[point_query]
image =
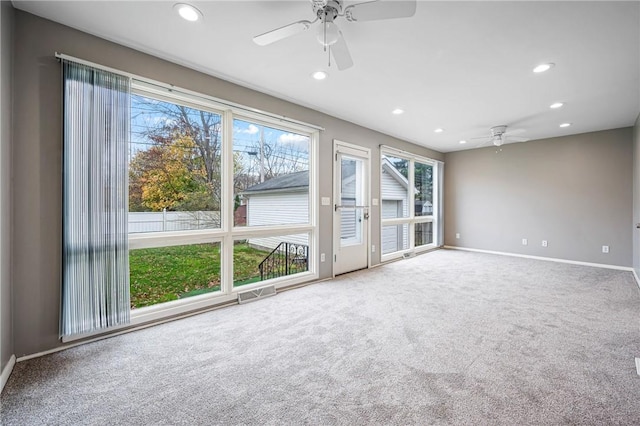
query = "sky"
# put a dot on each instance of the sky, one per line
(147, 113)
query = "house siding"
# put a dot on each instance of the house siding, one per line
(391, 189)
(347, 222)
(394, 237)
(348, 216)
(278, 208)
(395, 204)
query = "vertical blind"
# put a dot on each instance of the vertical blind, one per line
(95, 282)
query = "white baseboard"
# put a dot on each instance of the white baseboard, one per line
(6, 372)
(550, 259)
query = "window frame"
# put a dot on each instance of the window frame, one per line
(412, 219)
(278, 126)
(228, 233)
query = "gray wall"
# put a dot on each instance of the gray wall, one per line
(37, 159)
(636, 196)
(6, 53)
(574, 191)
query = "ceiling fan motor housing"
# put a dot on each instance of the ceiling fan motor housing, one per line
(318, 4)
(327, 10)
(498, 130)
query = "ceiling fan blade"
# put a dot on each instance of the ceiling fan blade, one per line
(514, 132)
(341, 54)
(488, 138)
(517, 139)
(281, 33)
(376, 10)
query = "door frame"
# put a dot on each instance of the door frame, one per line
(365, 153)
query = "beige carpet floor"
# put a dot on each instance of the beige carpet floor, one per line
(449, 337)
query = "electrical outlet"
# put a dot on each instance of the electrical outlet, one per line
(373, 248)
(525, 241)
(457, 235)
(605, 249)
(322, 257)
(544, 243)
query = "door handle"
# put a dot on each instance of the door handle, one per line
(366, 216)
(638, 225)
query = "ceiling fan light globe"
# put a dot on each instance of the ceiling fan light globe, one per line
(332, 34)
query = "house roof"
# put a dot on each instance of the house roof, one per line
(395, 173)
(289, 182)
(299, 181)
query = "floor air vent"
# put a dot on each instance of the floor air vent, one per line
(255, 294)
(408, 255)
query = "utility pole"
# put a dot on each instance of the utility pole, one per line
(261, 154)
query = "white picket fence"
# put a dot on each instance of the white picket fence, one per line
(172, 221)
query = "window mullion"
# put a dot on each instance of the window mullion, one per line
(412, 203)
(227, 203)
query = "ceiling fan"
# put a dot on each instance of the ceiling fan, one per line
(498, 135)
(328, 33)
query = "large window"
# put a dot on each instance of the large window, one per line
(271, 175)
(214, 210)
(174, 166)
(175, 185)
(409, 210)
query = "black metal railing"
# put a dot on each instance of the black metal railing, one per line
(286, 259)
(422, 238)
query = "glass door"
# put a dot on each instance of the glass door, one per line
(351, 206)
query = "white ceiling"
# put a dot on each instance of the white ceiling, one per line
(460, 66)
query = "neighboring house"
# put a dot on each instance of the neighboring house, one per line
(282, 200)
(395, 203)
(285, 200)
(424, 209)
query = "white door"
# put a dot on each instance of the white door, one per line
(351, 208)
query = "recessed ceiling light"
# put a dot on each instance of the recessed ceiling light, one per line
(543, 67)
(438, 130)
(319, 75)
(565, 125)
(397, 111)
(188, 12)
(556, 105)
(463, 142)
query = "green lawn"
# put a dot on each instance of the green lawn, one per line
(168, 273)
